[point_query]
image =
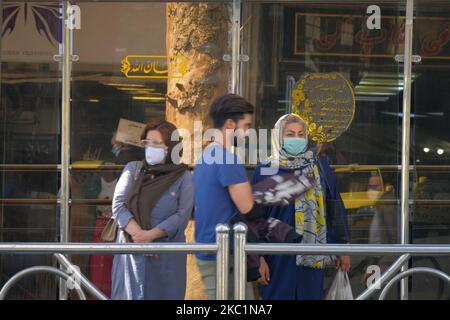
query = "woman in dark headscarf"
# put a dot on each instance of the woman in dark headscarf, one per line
(153, 201)
(318, 215)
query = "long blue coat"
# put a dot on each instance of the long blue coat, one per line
(138, 277)
(287, 280)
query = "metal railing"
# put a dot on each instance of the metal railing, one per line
(220, 248)
(37, 269)
(73, 270)
(242, 248)
(4, 167)
(96, 202)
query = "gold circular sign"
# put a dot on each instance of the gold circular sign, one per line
(326, 102)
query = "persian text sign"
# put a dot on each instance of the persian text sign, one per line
(357, 35)
(147, 66)
(326, 102)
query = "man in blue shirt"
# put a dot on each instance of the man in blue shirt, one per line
(221, 184)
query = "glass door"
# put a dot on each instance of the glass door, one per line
(292, 44)
(137, 62)
(30, 131)
(430, 141)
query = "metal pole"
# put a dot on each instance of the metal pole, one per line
(346, 249)
(80, 277)
(66, 56)
(223, 253)
(106, 248)
(406, 127)
(240, 261)
(183, 247)
(236, 47)
(1, 76)
(65, 127)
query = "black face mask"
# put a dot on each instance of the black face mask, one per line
(236, 139)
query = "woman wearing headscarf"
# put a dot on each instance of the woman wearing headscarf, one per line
(152, 202)
(318, 215)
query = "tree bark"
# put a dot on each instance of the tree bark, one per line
(200, 33)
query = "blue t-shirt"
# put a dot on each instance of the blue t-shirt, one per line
(213, 173)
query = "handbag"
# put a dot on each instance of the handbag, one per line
(109, 232)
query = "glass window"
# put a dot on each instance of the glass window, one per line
(430, 138)
(138, 62)
(29, 134)
(291, 42)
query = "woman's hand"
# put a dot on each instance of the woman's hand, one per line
(142, 236)
(145, 236)
(343, 262)
(264, 272)
(133, 228)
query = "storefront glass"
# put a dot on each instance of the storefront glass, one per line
(322, 38)
(30, 128)
(429, 142)
(134, 60)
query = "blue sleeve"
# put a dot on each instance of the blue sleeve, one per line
(230, 174)
(256, 175)
(178, 221)
(119, 210)
(337, 223)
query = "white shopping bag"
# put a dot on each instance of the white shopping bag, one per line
(340, 288)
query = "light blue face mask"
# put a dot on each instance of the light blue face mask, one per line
(115, 150)
(294, 146)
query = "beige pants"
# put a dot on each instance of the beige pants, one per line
(208, 269)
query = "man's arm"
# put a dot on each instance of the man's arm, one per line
(241, 194)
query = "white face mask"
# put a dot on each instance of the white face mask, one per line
(154, 155)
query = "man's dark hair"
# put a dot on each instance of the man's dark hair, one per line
(229, 106)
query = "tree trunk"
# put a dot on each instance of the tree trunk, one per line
(200, 33)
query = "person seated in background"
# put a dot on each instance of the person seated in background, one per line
(100, 265)
(384, 224)
(123, 153)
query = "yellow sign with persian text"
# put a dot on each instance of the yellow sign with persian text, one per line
(154, 67)
(325, 101)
